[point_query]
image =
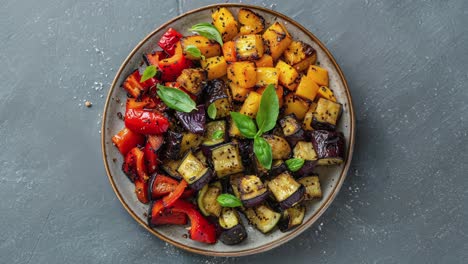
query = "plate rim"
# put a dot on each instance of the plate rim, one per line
(290, 235)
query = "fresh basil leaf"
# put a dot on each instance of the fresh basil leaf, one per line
(212, 111)
(209, 31)
(194, 51)
(269, 109)
(294, 164)
(245, 124)
(263, 152)
(176, 99)
(228, 200)
(218, 134)
(149, 73)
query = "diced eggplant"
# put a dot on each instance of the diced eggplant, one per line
(312, 187)
(329, 145)
(193, 121)
(194, 171)
(291, 218)
(307, 169)
(279, 146)
(277, 167)
(300, 135)
(170, 167)
(206, 199)
(217, 93)
(245, 150)
(290, 125)
(286, 190)
(252, 190)
(212, 129)
(305, 150)
(201, 156)
(263, 218)
(233, 230)
(226, 160)
(172, 144)
(326, 115)
(234, 184)
(190, 141)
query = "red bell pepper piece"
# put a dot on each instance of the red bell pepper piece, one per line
(169, 200)
(146, 102)
(188, 193)
(201, 229)
(126, 139)
(154, 57)
(168, 217)
(172, 67)
(141, 188)
(153, 143)
(169, 40)
(134, 165)
(163, 185)
(134, 87)
(146, 122)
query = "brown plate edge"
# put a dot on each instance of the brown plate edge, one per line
(292, 234)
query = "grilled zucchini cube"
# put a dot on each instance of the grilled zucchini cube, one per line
(307, 88)
(326, 115)
(287, 75)
(225, 23)
(194, 171)
(290, 125)
(190, 141)
(170, 167)
(327, 93)
(284, 187)
(252, 190)
(211, 129)
(276, 39)
(265, 61)
(300, 55)
(295, 105)
(291, 218)
(250, 22)
(216, 67)
(280, 148)
(249, 47)
(233, 230)
(226, 160)
(242, 73)
(192, 80)
(251, 105)
(307, 123)
(312, 186)
(208, 48)
(206, 199)
(263, 218)
(266, 76)
(318, 75)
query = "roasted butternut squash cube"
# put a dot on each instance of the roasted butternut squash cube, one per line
(249, 47)
(307, 88)
(192, 80)
(216, 67)
(238, 93)
(297, 51)
(295, 105)
(225, 23)
(326, 114)
(307, 124)
(279, 92)
(208, 48)
(318, 74)
(276, 39)
(265, 61)
(266, 76)
(287, 75)
(327, 93)
(233, 130)
(250, 22)
(242, 73)
(251, 105)
(305, 63)
(229, 51)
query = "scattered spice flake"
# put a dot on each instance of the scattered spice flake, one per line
(114, 160)
(88, 104)
(119, 115)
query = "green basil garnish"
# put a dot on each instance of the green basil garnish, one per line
(209, 31)
(263, 152)
(245, 124)
(228, 200)
(294, 164)
(218, 134)
(149, 73)
(212, 111)
(194, 51)
(176, 99)
(269, 109)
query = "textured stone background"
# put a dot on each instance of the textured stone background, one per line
(404, 201)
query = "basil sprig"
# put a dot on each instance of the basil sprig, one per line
(218, 134)
(266, 120)
(176, 99)
(212, 111)
(295, 164)
(209, 31)
(228, 200)
(194, 51)
(149, 73)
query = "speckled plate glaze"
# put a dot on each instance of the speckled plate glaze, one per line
(331, 178)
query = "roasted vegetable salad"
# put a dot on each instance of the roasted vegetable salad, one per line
(229, 124)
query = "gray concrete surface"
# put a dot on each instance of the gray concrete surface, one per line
(404, 201)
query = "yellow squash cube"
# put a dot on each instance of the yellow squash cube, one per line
(287, 75)
(276, 39)
(242, 73)
(266, 76)
(225, 22)
(307, 88)
(216, 67)
(249, 47)
(318, 74)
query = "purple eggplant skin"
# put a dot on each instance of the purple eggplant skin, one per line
(215, 90)
(306, 170)
(294, 199)
(300, 135)
(172, 143)
(328, 144)
(204, 180)
(256, 200)
(193, 121)
(234, 235)
(322, 125)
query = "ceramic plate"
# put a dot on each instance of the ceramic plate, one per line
(331, 177)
